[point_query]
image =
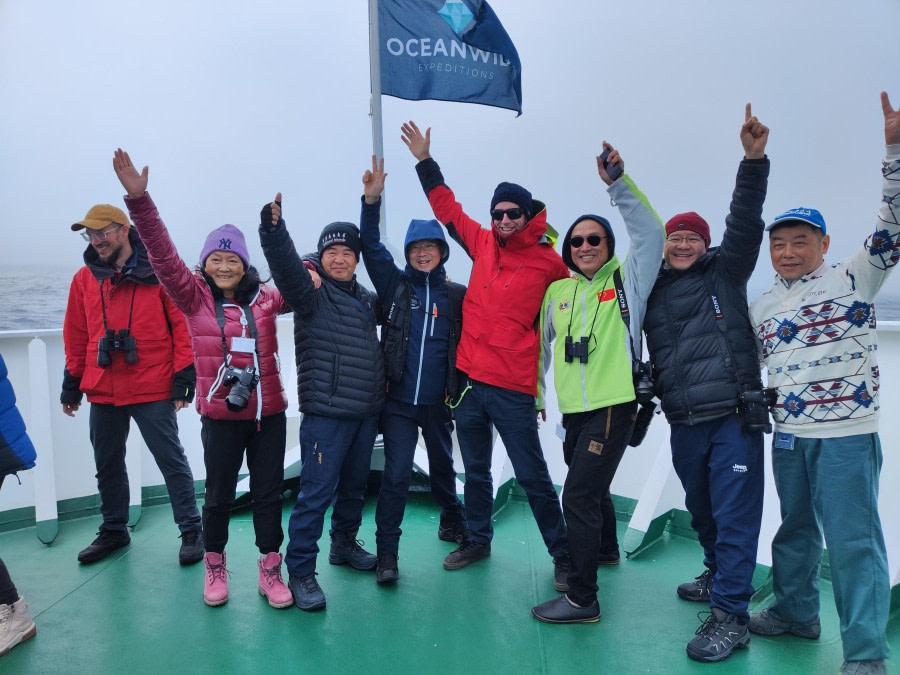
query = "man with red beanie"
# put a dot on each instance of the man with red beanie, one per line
(513, 264)
(703, 352)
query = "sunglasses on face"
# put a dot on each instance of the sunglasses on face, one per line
(592, 239)
(513, 214)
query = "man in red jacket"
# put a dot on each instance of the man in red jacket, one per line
(513, 264)
(128, 349)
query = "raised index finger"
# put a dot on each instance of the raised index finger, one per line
(748, 113)
(886, 107)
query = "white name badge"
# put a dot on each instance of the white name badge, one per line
(561, 432)
(243, 344)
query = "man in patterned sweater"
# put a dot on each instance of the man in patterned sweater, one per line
(817, 332)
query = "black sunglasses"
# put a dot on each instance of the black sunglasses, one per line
(497, 214)
(592, 239)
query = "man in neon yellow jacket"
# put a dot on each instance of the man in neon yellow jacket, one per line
(590, 325)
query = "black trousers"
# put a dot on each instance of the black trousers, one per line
(595, 443)
(224, 442)
(8, 592)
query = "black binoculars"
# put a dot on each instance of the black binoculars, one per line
(121, 341)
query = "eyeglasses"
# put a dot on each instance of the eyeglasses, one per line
(418, 248)
(592, 239)
(678, 239)
(497, 214)
(99, 235)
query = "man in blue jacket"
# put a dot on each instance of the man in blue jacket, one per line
(422, 322)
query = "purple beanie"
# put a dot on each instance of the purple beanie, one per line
(226, 238)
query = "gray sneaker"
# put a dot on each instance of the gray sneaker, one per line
(347, 550)
(766, 623)
(698, 589)
(719, 635)
(307, 594)
(863, 668)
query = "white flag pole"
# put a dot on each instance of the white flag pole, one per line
(375, 102)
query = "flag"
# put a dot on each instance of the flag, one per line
(448, 50)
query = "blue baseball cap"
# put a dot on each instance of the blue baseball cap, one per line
(800, 215)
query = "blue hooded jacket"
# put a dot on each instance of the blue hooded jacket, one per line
(417, 338)
(16, 450)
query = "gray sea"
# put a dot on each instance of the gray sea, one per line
(35, 298)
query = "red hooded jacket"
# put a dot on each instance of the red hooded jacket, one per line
(500, 344)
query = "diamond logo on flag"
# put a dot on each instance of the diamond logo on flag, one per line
(456, 14)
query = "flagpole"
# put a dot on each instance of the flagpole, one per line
(375, 102)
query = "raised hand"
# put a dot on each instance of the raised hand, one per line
(419, 145)
(373, 181)
(754, 136)
(270, 214)
(891, 121)
(613, 158)
(135, 183)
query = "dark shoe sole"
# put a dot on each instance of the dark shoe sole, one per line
(311, 607)
(609, 562)
(463, 563)
(337, 560)
(97, 557)
(712, 658)
(593, 619)
(447, 535)
(692, 598)
(190, 560)
(792, 630)
(387, 577)
(562, 588)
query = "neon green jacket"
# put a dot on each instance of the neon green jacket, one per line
(579, 306)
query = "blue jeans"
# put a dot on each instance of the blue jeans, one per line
(336, 456)
(721, 468)
(515, 417)
(831, 485)
(401, 423)
(109, 425)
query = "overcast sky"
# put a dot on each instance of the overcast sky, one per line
(230, 102)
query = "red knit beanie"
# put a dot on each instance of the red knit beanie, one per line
(690, 221)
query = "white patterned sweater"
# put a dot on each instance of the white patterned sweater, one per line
(817, 335)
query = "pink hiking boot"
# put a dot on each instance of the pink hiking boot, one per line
(270, 584)
(215, 588)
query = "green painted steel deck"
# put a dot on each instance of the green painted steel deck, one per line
(138, 611)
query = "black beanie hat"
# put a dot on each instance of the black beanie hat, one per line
(567, 249)
(340, 233)
(510, 192)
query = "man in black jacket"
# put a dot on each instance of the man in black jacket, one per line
(703, 350)
(422, 322)
(340, 381)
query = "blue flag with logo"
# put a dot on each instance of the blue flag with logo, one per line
(448, 50)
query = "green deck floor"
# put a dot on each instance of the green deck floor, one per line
(138, 611)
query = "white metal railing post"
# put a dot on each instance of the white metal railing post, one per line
(40, 432)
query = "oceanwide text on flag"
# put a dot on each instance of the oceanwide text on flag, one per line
(448, 50)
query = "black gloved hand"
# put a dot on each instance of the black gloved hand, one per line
(265, 217)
